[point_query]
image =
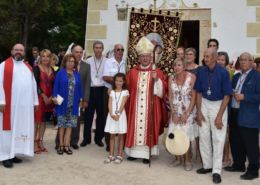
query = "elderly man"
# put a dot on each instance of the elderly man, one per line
(112, 66)
(213, 92)
(138, 108)
(96, 97)
(244, 119)
(18, 101)
(84, 71)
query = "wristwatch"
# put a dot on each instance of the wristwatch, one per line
(118, 114)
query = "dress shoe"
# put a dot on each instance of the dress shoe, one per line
(108, 148)
(248, 176)
(7, 163)
(84, 143)
(75, 147)
(131, 158)
(146, 161)
(16, 160)
(204, 171)
(232, 169)
(216, 178)
(100, 144)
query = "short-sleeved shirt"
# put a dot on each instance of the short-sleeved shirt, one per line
(220, 86)
(112, 67)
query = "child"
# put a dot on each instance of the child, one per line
(116, 119)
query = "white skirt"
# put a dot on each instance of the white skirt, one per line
(116, 127)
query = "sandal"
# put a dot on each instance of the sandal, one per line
(174, 163)
(109, 159)
(188, 166)
(118, 160)
(37, 151)
(69, 152)
(42, 149)
(226, 164)
(60, 151)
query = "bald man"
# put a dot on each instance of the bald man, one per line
(112, 66)
(213, 88)
(18, 102)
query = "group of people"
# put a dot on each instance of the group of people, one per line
(211, 104)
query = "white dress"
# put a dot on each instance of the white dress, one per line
(19, 140)
(181, 107)
(120, 126)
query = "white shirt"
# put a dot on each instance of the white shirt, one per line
(234, 103)
(112, 67)
(96, 71)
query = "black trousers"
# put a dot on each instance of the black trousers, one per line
(106, 97)
(95, 103)
(243, 142)
(74, 138)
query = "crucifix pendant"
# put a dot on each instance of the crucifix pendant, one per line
(97, 75)
(47, 84)
(179, 98)
(116, 112)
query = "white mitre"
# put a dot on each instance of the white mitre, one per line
(144, 46)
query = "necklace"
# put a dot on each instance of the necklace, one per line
(180, 90)
(47, 75)
(240, 82)
(209, 84)
(117, 101)
(97, 69)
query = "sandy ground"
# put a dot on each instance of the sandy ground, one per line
(86, 166)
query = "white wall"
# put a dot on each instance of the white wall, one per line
(231, 17)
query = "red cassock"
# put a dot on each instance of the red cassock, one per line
(138, 108)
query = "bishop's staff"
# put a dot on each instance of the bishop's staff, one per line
(159, 50)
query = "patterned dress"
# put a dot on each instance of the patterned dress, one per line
(181, 107)
(69, 120)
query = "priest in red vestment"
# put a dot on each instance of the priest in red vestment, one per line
(138, 108)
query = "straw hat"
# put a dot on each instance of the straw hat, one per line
(177, 142)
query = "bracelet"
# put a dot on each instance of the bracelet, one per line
(118, 114)
(175, 112)
(44, 99)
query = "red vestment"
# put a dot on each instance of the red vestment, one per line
(134, 111)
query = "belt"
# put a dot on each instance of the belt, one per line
(234, 109)
(211, 100)
(100, 87)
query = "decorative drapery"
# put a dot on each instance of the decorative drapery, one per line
(159, 29)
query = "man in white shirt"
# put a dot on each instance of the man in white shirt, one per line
(112, 66)
(97, 64)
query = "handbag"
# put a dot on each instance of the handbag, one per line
(48, 117)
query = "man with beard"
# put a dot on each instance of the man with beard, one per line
(18, 101)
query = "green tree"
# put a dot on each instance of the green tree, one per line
(25, 13)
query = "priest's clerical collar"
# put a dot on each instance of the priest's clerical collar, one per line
(142, 67)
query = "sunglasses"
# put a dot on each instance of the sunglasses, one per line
(120, 50)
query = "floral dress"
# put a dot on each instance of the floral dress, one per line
(181, 107)
(69, 120)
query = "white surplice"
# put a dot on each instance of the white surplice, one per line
(140, 150)
(19, 141)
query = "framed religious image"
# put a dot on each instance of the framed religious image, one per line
(122, 14)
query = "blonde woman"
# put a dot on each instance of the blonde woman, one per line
(44, 76)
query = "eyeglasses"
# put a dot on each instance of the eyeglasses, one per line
(189, 54)
(145, 56)
(71, 62)
(120, 49)
(21, 50)
(244, 60)
(180, 54)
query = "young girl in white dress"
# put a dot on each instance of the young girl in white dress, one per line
(116, 119)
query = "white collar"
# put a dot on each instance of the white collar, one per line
(246, 72)
(114, 61)
(142, 67)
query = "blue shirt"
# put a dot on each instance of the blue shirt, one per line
(220, 86)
